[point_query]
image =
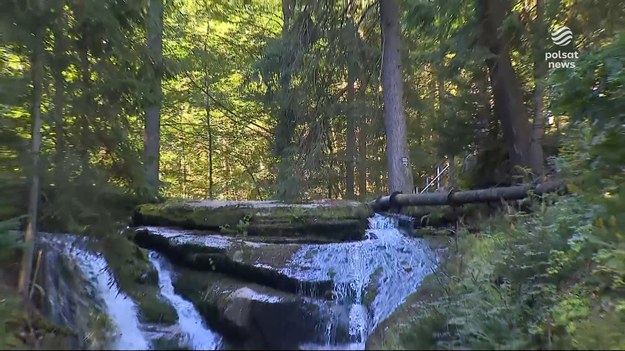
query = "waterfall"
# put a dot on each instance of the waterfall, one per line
(371, 278)
(196, 335)
(82, 295)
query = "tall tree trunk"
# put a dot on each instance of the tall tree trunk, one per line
(507, 94)
(285, 128)
(59, 93)
(379, 161)
(540, 68)
(183, 161)
(351, 132)
(486, 123)
(440, 87)
(153, 109)
(398, 160)
(363, 121)
(209, 128)
(86, 95)
(362, 156)
(37, 73)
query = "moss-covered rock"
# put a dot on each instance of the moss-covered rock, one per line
(249, 315)
(334, 220)
(136, 277)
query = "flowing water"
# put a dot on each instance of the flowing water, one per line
(196, 335)
(371, 277)
(82, 295)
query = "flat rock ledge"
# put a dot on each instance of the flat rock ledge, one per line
(318, 221)
(258, 263)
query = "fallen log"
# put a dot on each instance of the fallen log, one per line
(452, 198)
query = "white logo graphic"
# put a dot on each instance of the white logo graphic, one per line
(562, 36)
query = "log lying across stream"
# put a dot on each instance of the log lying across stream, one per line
(454, 198)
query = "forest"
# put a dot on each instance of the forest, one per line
(106, 105)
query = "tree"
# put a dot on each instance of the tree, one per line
(288, 185)
(350, 135)
(540, 68)
(56, 70)
(507, 93)
(37, 76)
(398, 161)
(153, 109)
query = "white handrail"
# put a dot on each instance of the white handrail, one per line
(435, 179)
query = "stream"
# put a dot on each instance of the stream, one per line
(196, 335)
(370, 279)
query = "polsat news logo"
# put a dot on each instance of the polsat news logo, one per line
(561, 36)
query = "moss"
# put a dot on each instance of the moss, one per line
(234, 219)
(185, 215)
(154, 309)
(372, 289)
(298, 214)
(137, 278)
(165, 343)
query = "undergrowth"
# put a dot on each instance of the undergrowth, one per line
(555, 278)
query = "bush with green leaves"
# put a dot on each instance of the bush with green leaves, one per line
(554, 278)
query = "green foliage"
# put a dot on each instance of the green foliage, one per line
(243, 225)
(10, 238)
(10, 315)
(553, 278)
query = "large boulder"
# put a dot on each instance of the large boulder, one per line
(259, 263)
(253, 316)
(319, 221)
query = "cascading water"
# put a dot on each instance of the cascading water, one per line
(196, 335)
(73, 298)
(371, 277)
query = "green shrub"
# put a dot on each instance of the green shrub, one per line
(555, 278)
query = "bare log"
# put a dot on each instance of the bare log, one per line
(398, 200)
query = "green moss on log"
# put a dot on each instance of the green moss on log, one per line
(340, 220)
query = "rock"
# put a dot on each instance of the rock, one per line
(256, 317)
(324, 220)
(387, 335)
(247, 261)
(136, 276)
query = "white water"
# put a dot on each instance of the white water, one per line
(371, 278)
(120, 309)
(388, 262)
(196, 335)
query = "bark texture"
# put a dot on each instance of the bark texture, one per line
(398, 160)
(506, 87)
(153, 110)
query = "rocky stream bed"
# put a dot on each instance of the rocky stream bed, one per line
(257, 275)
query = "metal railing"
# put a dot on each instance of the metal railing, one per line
(442, 169)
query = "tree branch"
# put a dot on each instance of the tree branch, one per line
(233, 116)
